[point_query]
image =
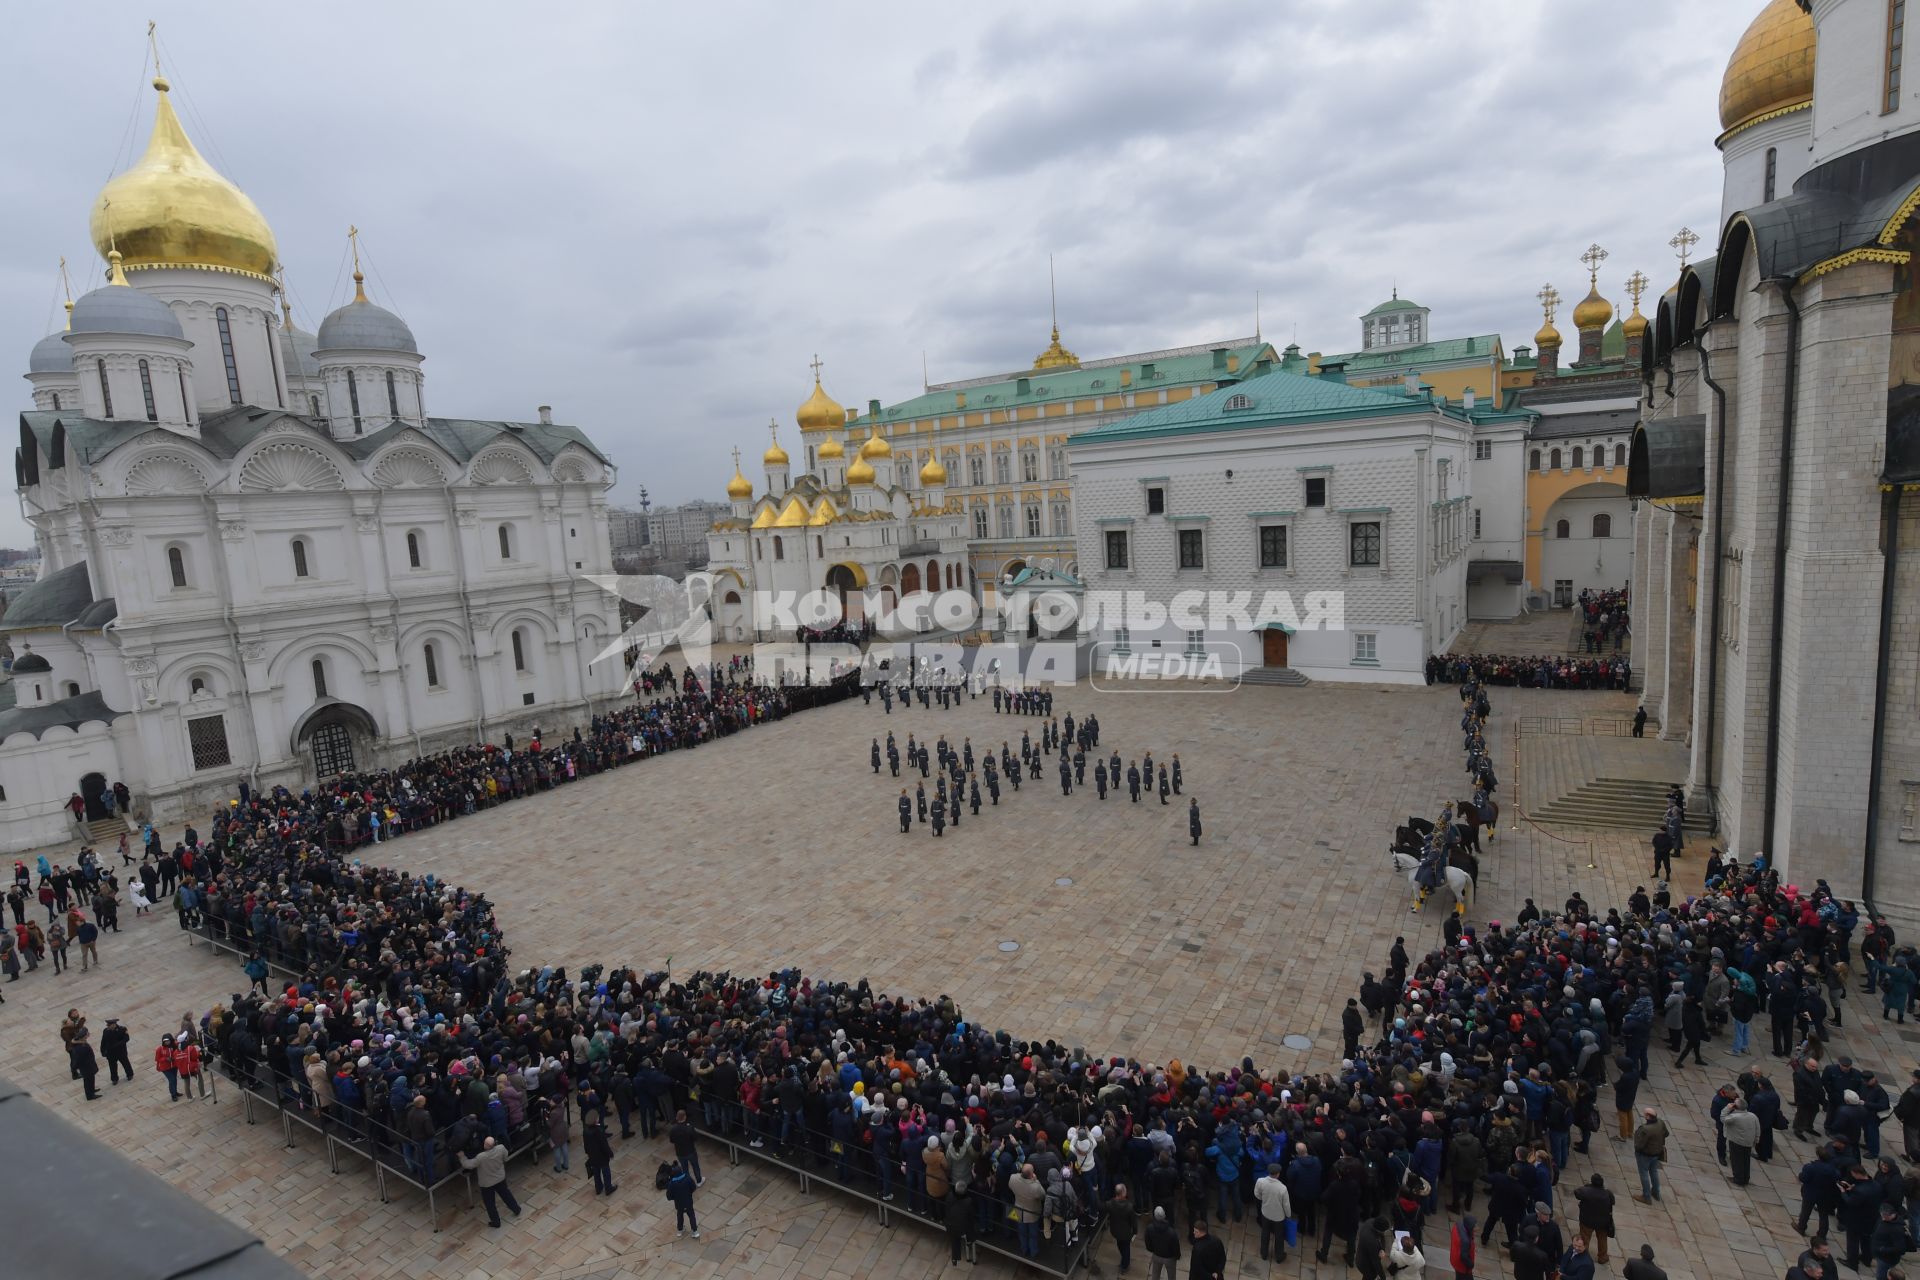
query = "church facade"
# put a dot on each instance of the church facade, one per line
(263, 558)
(1775, 537)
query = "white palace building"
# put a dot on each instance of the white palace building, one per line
(261, 558)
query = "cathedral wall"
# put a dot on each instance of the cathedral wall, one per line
(1849, 79)
(1834, 573)
(1648, 607)
(1897, 871)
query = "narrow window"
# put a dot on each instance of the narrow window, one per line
(506, 542)
(319, 679)
(1316, 491)
(1192, 549)
(1536, 460)
(273, 358)
(820, 546)
(1619, 455)
(1577, 455)
(977, 471)
(1603, 526)
(779, 548)
(146, 392)
(433, 666)
(1896, 45)
(1476, 522)
(1364, 544)
(226, 354)
(106, 392)
(1002, 468)
(1553, 460)
(393, 397)
(1156, 501)
(56, 402)
(186, 401)
(979, 522)
(1005, 519)
(1773, 172)
(413, 550)
(313, 404)
(1033, 519)
(1116, 549)
(1273, 546)
(353, 399)
(1562, 530)
(177, 567)
(299, 557)
(196, 685)
(519, 650)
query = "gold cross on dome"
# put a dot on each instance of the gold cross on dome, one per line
(773, 429)
(816, 366)
(1683, 242)
(1636, 285)
(1592, 259)
(736, 458)
(1549, 299)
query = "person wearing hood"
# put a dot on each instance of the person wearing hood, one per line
(1062, 1207)
(1462, 1248)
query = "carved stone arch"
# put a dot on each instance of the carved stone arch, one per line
(174, 678)
(286, 466)
(500, 465)
(301, 649)
(574, 467)
(408, 467)
(163, 474)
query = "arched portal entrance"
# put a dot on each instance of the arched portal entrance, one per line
(339, 737)
(92, 787)
(909, 579)
(847, 581)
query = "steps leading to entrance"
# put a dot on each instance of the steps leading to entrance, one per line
(1632, 804)
(1273, 675)
(105, 829)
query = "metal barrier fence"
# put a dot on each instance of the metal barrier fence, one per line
(854, 1174)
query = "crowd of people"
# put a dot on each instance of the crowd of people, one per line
(1603, 620)
(1529, 671)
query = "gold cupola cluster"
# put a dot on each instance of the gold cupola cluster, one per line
(173, 209)
(820, 411)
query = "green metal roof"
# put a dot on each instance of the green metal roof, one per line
(1045, 386)
(1613, 343)
(1273, 397)
(1395, 303)
(1479, 347)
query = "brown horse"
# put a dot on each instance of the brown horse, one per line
(1471, 816)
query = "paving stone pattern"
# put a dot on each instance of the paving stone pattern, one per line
(781, 847)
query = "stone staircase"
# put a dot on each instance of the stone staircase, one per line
(105, 830)
(1633, 804)
(1272, 675)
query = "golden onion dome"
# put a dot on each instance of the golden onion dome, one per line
(1771, 67)
(832, 450)
(739, 487)
(821, 411)
(861, 472)
(775, 456)
(933, 472)
(1593, 312)
(876, 446)
(1635, 325)
(1547, 337)
(174, 209)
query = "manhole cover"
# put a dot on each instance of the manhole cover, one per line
(1009, 946)
(1064, 881)
(1296, 1042)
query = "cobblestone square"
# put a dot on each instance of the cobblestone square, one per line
(780, 846)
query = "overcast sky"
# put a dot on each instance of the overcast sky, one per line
(653, 216)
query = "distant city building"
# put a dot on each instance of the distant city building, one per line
(626, 531)
(675, 529)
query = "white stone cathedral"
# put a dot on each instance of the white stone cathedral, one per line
(261, 558)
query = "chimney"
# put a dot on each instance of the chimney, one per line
(546, 415)
(1219, 357)
(873, 408)
(1467, 399)
(1411, 382)
(1023, 386)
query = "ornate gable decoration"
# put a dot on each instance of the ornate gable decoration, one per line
(408, 468)
(162, 475)
(286, 467)
(501, 466)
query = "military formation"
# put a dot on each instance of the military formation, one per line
(959, 775)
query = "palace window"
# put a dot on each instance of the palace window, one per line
(273, 362)
(319, 669)
(1316, 491)
(1619, 455)
(1033, 519)
(1603, 526)
(106, 392)
(1482, 450)
(1273, 546)
(1122, 640)
(226, 354)
(1116, 548)
(506, 542)
(1196, 644)
(976, 470)
(1005, 520)
(1059, 464)
(1030, 465)
(432, 664)
(1535, 461)
(413, 550)
(1577, 456)
(1366, 647)
(1058, 519)
(1562, 529)
(207, 737)
(146, 392)
(177, 567)
(1156, 501)
(979, 522)
(300, 568)
(519, 649)
(1553, 460)
(1363, 544)
(1193, 549)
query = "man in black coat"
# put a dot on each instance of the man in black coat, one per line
(113, 1046)
(1352, 1024)
(1642, 1267)
(599, 1151)
(1209, 1255)
(85, 1064)
(1163, 1243)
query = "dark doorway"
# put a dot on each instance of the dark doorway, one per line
(92, 787)
(332, 750)
(1273, 647)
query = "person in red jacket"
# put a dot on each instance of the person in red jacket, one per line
(163, 1063)
(1460, 1253)
(186, 1060)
